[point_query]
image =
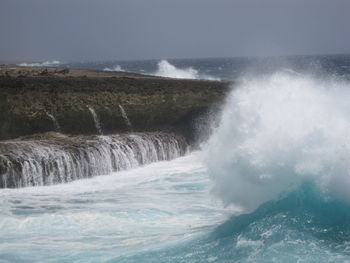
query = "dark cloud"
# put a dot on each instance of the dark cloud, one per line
(140, 29)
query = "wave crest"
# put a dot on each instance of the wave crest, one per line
(117, 68)
(165, 69)
(42, 64)
(277, 132)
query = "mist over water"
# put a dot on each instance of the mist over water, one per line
(278, 131)
(165, 69)
(280, 154)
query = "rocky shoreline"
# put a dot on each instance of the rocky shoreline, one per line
(55, 158)
(36, 100)
(58, 125)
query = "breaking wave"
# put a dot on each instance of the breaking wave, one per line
(115, 68)
(278, 132)
(281, 153)
(42, 64)
(165, 69)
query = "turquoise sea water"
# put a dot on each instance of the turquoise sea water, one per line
(164, 213)
(111, 217)
(301, 227)
(272, 184)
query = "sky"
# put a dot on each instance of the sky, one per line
(95, 30)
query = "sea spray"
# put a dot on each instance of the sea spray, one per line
(165, 69)
(278, 131)
(116, 68)
(96, 120)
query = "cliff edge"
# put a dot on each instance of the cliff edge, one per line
(71, 101)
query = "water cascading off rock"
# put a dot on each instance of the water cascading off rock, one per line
(63, 159)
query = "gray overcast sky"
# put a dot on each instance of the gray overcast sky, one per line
(71, 30)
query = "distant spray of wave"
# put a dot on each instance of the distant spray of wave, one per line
(278, 132)
(165, 69)
(115, 68)
(42, 64)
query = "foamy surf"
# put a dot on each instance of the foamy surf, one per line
(41, 64)
(165, 69)
(116, 68)
(103, 218)
(278, 131)
(281, 154)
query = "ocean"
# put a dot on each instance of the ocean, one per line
(229, 69)
(271, 184)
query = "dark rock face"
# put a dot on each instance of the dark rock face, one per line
(163, 114)
(31, 103)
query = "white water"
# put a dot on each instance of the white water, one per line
(103, 218)
(125, 117)
(43, 64)
(165, 69)
(278, 131)
(55, 122)
(115, 68)
(96, 120)
(34, 163)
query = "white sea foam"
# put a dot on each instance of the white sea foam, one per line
(132, 210)
(165, 69)
(278, 131)
(42, 64)
(115, 68)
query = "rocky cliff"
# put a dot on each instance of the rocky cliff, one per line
(36, 100)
